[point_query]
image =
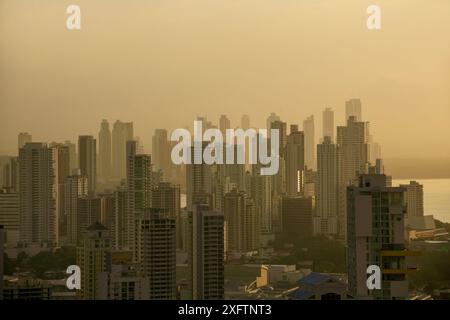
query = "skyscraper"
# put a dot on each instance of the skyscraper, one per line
(76, 187)
(2, 236)
(415, 218)
(206, 254)
(61, 164)
(327, 187)
(122, 132)
(92, 259)
(375, 236)
(242, 225)
(198, 178)
(104, 151)
(23, 138)
(123, 279)
(157, 252)
(353, 109)
(139, 187)
(73, 160)
(328, 123)
(121, 229)
(161, 152)
(9, 216)
(295, 163)
(261, 193)
(224, 124)
(310, 143)
(11, 174)
(272, 118)
(167, 196)
(296, 217)
(352, 159)
(37, 195)
(279, 179)
(245, 122)
(87, 159)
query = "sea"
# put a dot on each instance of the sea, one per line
(436, 196)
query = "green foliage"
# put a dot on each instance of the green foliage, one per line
(42, 262)
(433, 271)
(328, 255)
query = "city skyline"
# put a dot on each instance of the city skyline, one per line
(224, 150)
(176, 61)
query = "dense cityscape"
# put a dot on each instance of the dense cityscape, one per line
(136, 226)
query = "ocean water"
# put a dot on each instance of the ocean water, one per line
(436, 193)
(436, 196)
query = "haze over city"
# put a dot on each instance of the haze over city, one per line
(162, 63)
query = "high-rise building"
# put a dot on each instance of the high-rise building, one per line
(2, 263)
(87, 159)
(279, 179)
(73, 159)
(206, 254)
(139, 187)
(296, 217)
(23, 138)
(245, 122)
(121, 229)
(414, 199)
(92, 259)
(122, 280)
(89, 212)
(295, 163)
(107, 210)
(352, 160)
(242, 225)
(328, 124)
(353, 109)
(161, 153)
(122, 132)
(167, 196)
(156, 250)
(76, 187)
(37, 194)
(261, 193)
(327, 187)
(9, 216)
(310, 143)
(198, 178)
(272, 118)
(61, 163)
(224, 124)
(374, 150)
(11, 174)
(104, 151)
(375, 236)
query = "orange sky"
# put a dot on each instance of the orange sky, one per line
(160, 63)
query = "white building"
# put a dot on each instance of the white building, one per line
(376, 236)
(122, 282)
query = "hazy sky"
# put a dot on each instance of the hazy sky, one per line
(160, 63)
